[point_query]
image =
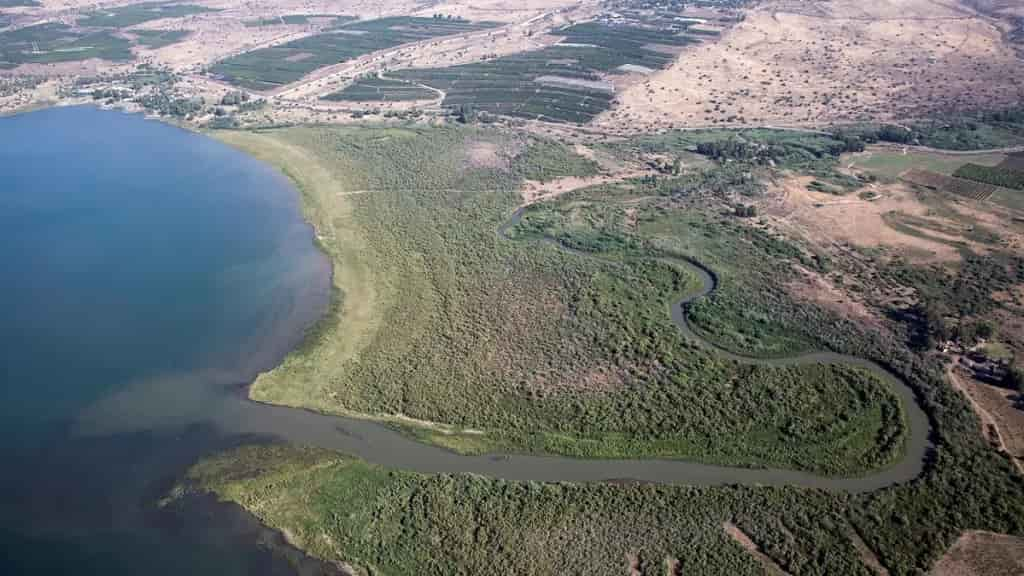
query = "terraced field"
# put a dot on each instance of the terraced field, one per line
(269, 68)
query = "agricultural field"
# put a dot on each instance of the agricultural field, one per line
(293, 19)
(275, 66)
(153, 39)
(972, 189)
(560, 83)
(134, 14)
(890, 164)
(54, 42)
(993, 175)
(586, 356)
(376, 89)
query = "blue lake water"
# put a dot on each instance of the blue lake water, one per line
(134, 256)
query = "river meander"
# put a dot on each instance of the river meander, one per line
(149, 274)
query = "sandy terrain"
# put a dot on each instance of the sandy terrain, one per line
(826, 219)
(811, 63)
(978, 553)
(812, 287)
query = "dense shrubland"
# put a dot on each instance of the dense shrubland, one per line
(398, 522)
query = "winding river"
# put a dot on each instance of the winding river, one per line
(227, 405)
(150, 275)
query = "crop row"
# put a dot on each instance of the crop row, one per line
(958, 186)
(508, 85)
(56, 42)
(381, 89)
(268, 68)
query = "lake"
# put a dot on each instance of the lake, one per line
(143, 267)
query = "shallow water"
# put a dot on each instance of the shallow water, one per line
(148, 275)
(133, 255)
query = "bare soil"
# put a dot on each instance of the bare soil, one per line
(1002, 422)
(825, 219)
(816, 62)
(978, 553)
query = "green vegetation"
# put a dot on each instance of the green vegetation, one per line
(546, 160)
(810, 153)
(393, 522)
(382, 521)
(375, 88)
(134, 14)
(998, 129)
(444, 321)
(294, 19)
(892, 164)
(995, 175)
(396, 522)
(559, 83)
(159, 38)
(15, 3)
(271, 67)
(55, 42)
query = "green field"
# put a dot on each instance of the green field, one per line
(376, 89)
(509, 85)
(133, 14)
(293, 19)
(159, 38)
(14, 3)
(55, 42)
(995, 175)
(891, 164)
(444, 321)
(268, 68)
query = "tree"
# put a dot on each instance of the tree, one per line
(465, 114)
(1014, 379)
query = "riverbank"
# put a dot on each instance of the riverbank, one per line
(405, 507)
(510, 370)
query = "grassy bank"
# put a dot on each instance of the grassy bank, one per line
(392, 522)
(440, 320)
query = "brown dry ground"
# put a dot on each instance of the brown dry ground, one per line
(811, 63)
(1002, 422)
(827, 220)
(978, 553)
